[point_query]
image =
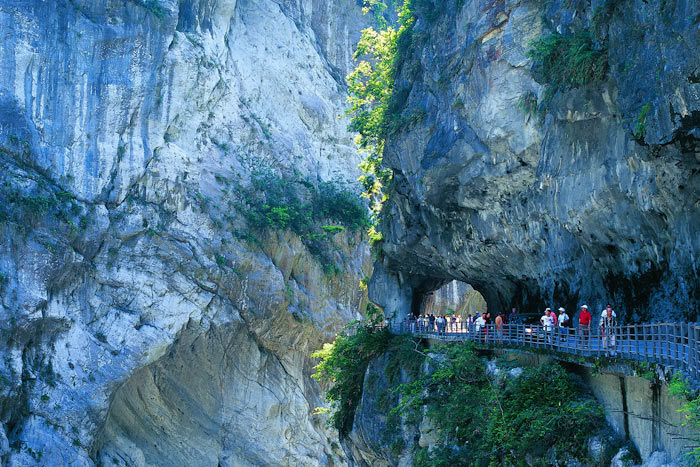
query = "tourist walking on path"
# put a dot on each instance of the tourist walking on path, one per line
(584, 326)
(499, 328)
(479, 326)
(564, 323)
(548, 323)
(431, 322)
(513, 318)
(605, 311)
(441, 324)
(607, 331)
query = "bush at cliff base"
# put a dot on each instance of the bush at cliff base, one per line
(343, 364)
(482, 422)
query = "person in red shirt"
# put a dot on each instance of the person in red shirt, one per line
(584, 325)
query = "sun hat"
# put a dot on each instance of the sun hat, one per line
(547, 309)
(561, 308)
(584, 306)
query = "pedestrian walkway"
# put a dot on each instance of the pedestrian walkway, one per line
(673, 345)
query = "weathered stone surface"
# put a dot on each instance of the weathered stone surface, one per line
(622, 459)
(644, 412)
(372, 437)
(571, 210)
(659, 459)
(125, 129)
(216, 398)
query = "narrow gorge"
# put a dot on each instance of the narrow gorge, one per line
(182, 227)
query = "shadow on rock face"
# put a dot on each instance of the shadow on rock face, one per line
(215, 398)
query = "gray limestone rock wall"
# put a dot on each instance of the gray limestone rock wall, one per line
(559, 211)
(645, 412)
(143, 319)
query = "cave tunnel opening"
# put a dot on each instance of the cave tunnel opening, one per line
(449, 298)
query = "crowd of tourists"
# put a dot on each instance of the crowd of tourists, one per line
(554, 327)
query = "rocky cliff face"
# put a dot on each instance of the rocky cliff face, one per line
(144, 321)
(595, 202)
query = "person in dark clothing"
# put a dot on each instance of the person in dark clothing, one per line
(513, 318)
(431, 322)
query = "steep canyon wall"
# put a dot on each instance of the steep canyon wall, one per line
(542, 195)
(144, 321)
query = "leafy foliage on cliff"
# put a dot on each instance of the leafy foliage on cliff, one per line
(571, 60)
(679, 388)
(481, 421)
(277, 202)
(343, 365)
(373, 108)
(568, 60)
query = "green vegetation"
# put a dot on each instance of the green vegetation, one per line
(332, 229)
(640, 128)
(298, 205)
(528, 104)
(155, 7)
(377, 9)
(24, 209)
(679, 388)
(544, 407)
(529, 414)
(343, 364)
(220, 260)
(295, 204)
(644, 370)
(568, 60)
(562, 62)
(375, 107)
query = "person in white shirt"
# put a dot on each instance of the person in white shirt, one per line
(605, 311)
(608, 323)
(548, 323)
(563, 323)
(480, 325)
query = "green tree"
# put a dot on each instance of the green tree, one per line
(371, 90)
(342, 366)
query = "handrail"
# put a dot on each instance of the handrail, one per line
(673, 345)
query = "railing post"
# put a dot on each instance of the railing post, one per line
(686, 348)
(669, 344)
(696, 365)
(645, 331)
(692, 367)
(692, 350)
(665, 350)
(678, 331)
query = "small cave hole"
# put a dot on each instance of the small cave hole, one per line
(454, 298)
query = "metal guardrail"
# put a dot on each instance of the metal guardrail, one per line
(673, 345)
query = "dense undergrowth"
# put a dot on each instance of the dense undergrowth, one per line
(342, 367)
(481, 420)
